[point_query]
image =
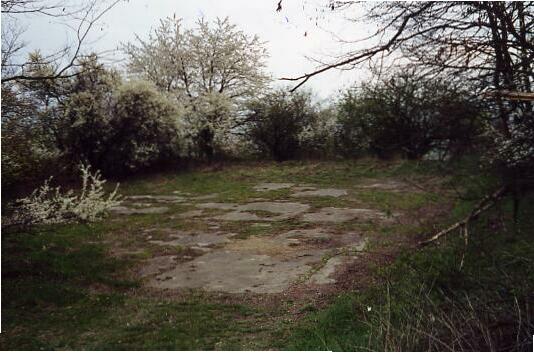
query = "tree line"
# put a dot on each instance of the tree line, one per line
(203, 93)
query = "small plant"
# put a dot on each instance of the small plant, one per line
(47, 205)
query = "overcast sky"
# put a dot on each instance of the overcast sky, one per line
(284, 32)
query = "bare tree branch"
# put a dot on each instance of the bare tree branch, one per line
(65, 58)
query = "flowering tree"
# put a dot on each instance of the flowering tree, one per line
(211, 66)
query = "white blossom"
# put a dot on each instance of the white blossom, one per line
(48, 205)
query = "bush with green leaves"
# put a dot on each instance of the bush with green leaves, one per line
(143, 129)
(276, 120)
(118, 128)
(406, 115)
(85, 122)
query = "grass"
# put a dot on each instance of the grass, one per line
(62, 289)
(429, 300)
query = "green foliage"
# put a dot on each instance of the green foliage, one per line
(84, 127)
(406, 115)
(276, 120)
(143, 129)
(27, 150)
(117, 128)
(90, 117)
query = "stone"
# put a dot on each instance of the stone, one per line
(170, 198)
(197, 239)
(200, 249)
(205, 197)
(238, 216)
(191, 214)
(321, 193)
(234, 272)
(131, 211)
(178, 192)
(272, 246)
(351, 241)
(261, 225)
(157, 265)
(218, 205)
(304, 188)
(316, 235)
(348, 241)
(340, 215)
(388, 185)
(157, 198)
(272, 186)
(254, 199)
(325, 274)
(141, 204)
(244, 212)
(139, 197)
(285, 208)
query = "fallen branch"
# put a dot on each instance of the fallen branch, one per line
(484, 205)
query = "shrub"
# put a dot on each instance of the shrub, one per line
(85, 124)
(209, 119)
(143, 129)
(275, 121)
(317, 137)
(407, 115)
(47, 205)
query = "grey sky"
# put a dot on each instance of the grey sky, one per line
(282, 31)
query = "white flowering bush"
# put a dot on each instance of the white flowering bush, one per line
(209, 119)
(48, 205)
(317, 138)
